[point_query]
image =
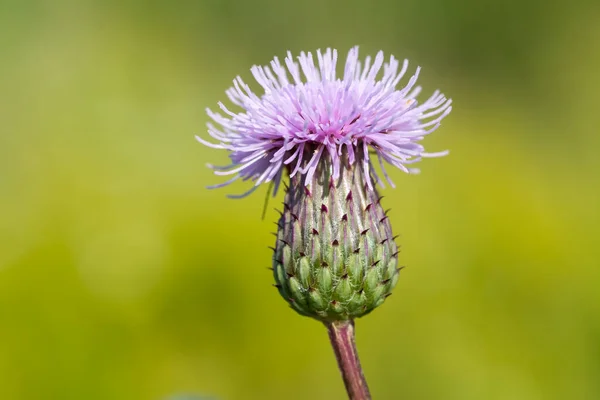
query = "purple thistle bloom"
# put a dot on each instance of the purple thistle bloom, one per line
(318, 114)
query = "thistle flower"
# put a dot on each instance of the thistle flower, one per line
(335, 258)
(297, 123)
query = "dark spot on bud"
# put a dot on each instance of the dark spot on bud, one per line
(383, 219)
(363, 233)
(357, 250)
(315, 232)
(345, 218)
(335, 243)
(307, 192)
(349, 196)
(385, 282)
(345, 276)
(360, 291)
(331, 184)
(324, 264)
(311, 289)
(294, 216)
(333, 302)
(290, 275)
(302, 254)
(324, 208)
(368, 207)
(375, 263)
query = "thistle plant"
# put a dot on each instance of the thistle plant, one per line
(335, 257)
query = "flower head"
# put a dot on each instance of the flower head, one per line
(335, 257)
(307, 113)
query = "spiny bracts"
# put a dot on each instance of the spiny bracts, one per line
(335, 256)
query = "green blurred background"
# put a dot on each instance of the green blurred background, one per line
(122, 277)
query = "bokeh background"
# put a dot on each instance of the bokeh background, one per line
(122, 277)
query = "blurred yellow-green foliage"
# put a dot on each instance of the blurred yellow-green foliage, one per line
(122, 277)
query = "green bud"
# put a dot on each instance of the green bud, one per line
(335, 257)
(304, 272)
(324, 281)
(296, 290)
(316, 301)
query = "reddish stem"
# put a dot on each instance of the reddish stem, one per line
(341, 335)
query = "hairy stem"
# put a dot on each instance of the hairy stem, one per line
(341, 335)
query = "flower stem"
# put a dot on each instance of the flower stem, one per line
(341, 335)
